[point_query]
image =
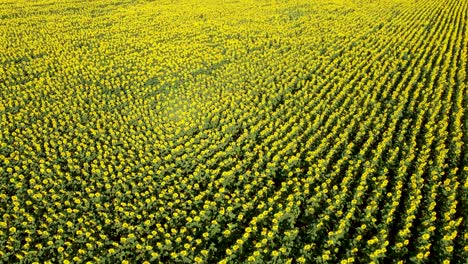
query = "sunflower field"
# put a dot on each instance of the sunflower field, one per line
(233, 131)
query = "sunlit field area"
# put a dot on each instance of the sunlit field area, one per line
(240, 131)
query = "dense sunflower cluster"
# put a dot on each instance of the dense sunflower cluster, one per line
(259, 131)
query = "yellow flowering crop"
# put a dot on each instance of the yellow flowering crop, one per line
(308, 131)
